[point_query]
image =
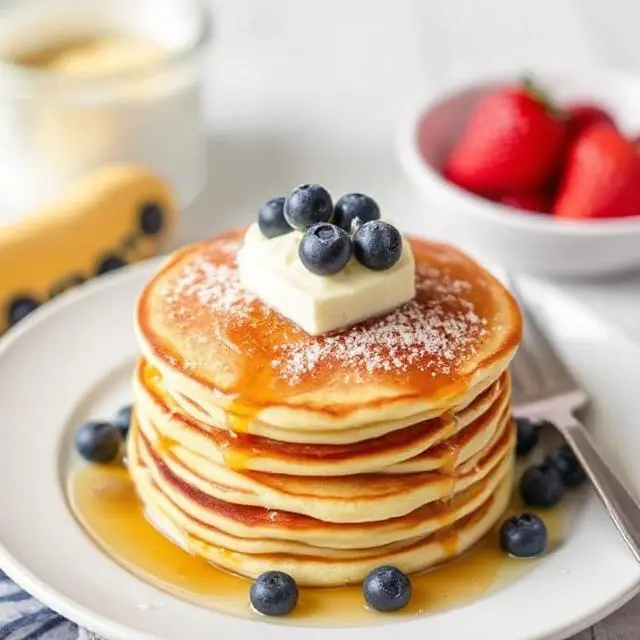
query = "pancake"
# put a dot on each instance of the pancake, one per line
(466, 447)
(218, 345)
(316, 571)
(214, 416)
(474, 514)
(210, 518)
(332, 499)
(458, 437)
(259, 447)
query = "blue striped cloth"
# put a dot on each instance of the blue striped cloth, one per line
(22, 617)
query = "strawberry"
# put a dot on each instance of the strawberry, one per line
(601, 177)
(513, 141)
(527, 200)
(582, 116)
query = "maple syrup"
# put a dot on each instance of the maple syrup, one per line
(236, 459)
(240, 416)
(104, 501)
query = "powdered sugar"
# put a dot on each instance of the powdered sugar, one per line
(438, 281)
(413, 336)
(213, 285)
(434, 333)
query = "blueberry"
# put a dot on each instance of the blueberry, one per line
(110, 263)
(352, 206)
(151, 218)
(387, 589)
(568, 466)
(307, 205)
(377, 245)
(20, 308)
(271, 218)
(98, 442)
(523, 536)
(274, 593)
(541, 486)
(528, 435)
(325, 249)
(122, 420)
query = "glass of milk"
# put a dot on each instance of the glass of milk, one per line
(86, 84)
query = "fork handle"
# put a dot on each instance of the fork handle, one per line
(621, 505)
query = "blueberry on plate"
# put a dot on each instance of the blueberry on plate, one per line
(541, 486)
(352, 206)
(377, 245)
(325, 249)
(98, 442)
(122, 420)
(523, 536)
(564, 460)
(271, 219)
(307, 205)
(274, 593)
(20, 308)
(387, 589)
(528, 434)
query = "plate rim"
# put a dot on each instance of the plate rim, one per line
(99, 623)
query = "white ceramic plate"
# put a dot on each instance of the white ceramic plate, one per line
(72, 359)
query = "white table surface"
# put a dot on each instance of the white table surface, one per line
(304, 91)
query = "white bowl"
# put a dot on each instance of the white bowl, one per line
(501, 235)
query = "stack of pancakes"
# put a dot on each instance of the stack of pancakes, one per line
(259, 447)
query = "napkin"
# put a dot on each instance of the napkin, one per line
(22, 617)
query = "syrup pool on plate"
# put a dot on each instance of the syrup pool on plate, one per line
(104, 501)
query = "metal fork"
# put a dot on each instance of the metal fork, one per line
(544, 389)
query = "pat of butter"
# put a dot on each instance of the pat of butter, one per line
(272, 271)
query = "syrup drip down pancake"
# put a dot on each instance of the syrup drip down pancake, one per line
(257, 446)
(222, 349)
(316, 551)
(445, 441)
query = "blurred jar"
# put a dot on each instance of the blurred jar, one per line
(86, 84)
